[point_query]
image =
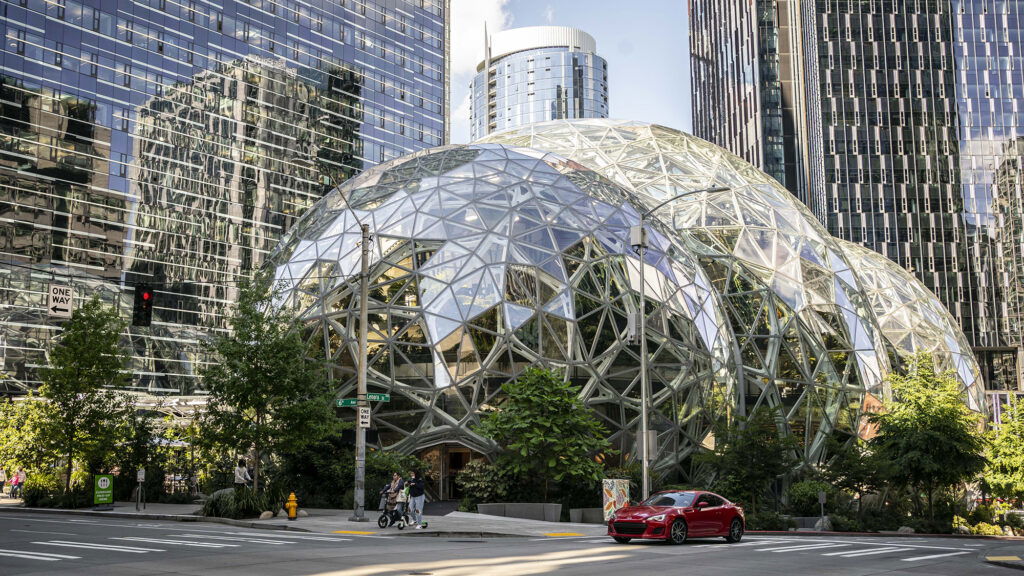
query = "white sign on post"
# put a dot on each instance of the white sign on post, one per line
(59, 301)
(364, 416)
(140, 476)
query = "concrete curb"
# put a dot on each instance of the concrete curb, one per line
(1016, 564)
(145, 516)
(883, 535)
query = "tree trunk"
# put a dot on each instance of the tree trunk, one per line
(256, 472)
(68, 469)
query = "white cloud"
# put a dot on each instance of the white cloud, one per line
(549, 14)
(467, 50)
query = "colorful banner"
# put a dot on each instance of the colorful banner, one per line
(616, 495)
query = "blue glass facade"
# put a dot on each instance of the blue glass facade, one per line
(170, 143)
(539, 74)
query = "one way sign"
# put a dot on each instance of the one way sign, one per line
(59, 301)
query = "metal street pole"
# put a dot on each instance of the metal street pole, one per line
(358, 514)
(638, 239)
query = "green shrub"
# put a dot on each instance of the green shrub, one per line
(481, 481)
(986, 529)
(221, 504)
(768, 520)
(40, 489)
(982, 513)
(1015, 521)
(176, 498)
(841, 523)
(803, 497)
(249, 503)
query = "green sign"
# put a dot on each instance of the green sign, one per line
(370, 397)
(103, 492)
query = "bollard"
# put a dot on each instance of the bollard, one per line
(292, 506)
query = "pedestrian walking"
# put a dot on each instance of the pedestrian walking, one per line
(395, 491)
(3, 480)
(416, 498)
(18, 483)
(242, 477)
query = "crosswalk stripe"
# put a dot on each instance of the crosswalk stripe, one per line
(37, 555)
(857, 553)
(800, 548)
(231, 539)
(935, 556)
(287, 537)
(94, 546)
(178, 542)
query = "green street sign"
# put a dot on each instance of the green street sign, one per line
(370, 397)
(103, 491)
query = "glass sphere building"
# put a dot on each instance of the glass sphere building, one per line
(491, 257)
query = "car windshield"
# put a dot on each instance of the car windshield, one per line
(669, 499)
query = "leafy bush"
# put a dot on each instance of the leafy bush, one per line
(768, 520)
(176, 498)
(986, 529)
(1015, 521)
(982, 513)
(40, 489)
(803, 497)
(221, 504)
(249, 503)
(481, 481)
(841, 523)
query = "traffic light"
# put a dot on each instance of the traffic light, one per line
(142, 315)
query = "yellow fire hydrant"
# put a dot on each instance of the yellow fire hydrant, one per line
(292, 506)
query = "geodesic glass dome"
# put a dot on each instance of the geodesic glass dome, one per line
(913, 319)
(488, 259)
(806, 334)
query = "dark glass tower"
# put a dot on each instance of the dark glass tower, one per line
(170, 143)
(885, 122)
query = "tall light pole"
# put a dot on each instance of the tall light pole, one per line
(358, 514)
(638, 239)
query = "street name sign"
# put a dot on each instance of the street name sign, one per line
(347, 402)
(59, 301)
(378, 397)
(370, 397)
(364, 416)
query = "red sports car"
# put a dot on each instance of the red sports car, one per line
(676, 515)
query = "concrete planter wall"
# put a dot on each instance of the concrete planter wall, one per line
(586, 515)
(527, 510)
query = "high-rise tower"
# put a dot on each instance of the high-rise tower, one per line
(170, 144)
(535, 74)
(893, 116)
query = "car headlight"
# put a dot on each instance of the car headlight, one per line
(658, 518)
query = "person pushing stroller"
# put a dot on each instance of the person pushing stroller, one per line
(394, 499)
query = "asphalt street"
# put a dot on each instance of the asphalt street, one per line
(53, 544)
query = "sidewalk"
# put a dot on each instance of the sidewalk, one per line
(1008, 556)
(333, 521)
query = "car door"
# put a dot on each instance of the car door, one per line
(716, 514)
(702, 520)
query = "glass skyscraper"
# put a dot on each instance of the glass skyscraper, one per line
(170, 144)
(896, 115)
(535, 74)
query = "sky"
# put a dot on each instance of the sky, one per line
(644, 41)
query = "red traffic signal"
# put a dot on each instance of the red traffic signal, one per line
(142, 313)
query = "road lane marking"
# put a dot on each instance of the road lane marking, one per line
(287, 537)
(178, 542)
(936, 556)
(800, 548)
(231, 539)
(562, 534)
(361, 533)
(96, 546)
(857, 553)
(37, 555)
(1003, 558)
(44, 532)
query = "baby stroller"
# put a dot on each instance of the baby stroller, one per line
(399, 516)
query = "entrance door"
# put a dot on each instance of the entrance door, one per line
(457, 458)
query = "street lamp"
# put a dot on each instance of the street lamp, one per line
(638, 239)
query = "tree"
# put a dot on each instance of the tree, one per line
(749, 456)
(265, 392)
(546, 433)
(1005, 471)
(926, 432)
(87, 365)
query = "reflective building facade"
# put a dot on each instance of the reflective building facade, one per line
(492, 257)
(898, 112)
(171, 144)
(535, 74)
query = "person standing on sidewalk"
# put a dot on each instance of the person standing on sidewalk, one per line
(416, 498)
(18, 484)
(3, 480)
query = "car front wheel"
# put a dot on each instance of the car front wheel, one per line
(677, 533)
(622, 539)
(735, 531)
